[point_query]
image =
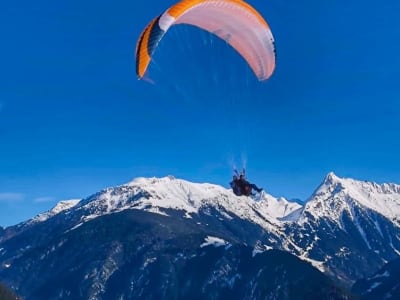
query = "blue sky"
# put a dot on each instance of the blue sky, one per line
(74, 119)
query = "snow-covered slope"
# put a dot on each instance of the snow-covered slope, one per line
(159, 195)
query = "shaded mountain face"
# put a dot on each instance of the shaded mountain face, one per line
(140, 255)
(384, 284)
(345, 229)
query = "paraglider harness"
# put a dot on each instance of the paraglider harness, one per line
(241, 187)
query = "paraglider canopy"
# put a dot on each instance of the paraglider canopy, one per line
(234, 21)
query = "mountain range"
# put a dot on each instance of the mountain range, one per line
(167, 238)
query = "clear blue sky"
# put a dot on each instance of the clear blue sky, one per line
(74, 119)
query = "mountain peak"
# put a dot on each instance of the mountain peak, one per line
(59, 207)
(330, 177)
(336, 194)
(150, 180)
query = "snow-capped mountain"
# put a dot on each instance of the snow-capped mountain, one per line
(347, 228)
(350, 227)
(338, 195)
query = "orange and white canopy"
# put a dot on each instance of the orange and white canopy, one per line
(234, 21)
